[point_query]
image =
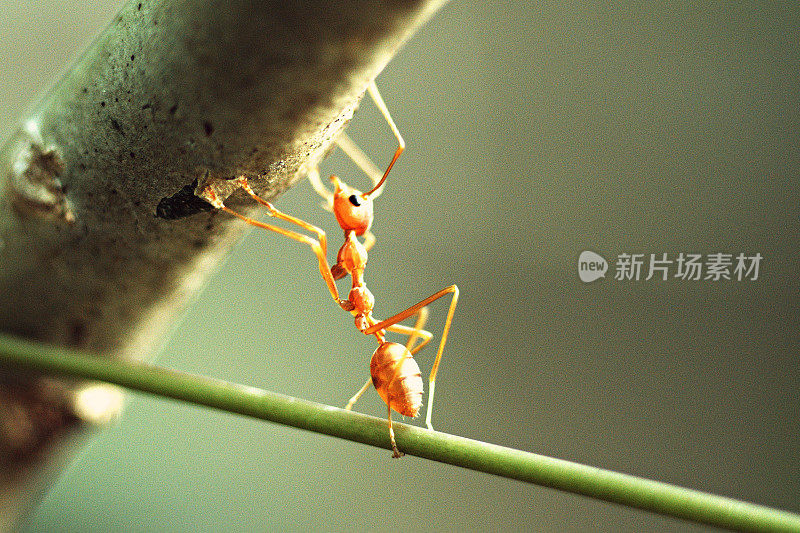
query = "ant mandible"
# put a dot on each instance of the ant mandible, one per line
(394, 372)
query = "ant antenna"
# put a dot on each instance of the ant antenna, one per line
(361, 160)
(359, 157)
(381, 105)
(316, 183)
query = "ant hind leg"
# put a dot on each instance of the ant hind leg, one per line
(395, 452)
(415, 332)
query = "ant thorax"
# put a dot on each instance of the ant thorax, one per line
(352, 257)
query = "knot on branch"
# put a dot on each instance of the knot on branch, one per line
(34, 186)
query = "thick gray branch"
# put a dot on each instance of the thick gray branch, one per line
(101, 238)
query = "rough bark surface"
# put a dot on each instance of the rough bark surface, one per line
(102, 240)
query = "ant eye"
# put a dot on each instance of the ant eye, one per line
(355, 200)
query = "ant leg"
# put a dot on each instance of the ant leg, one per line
(369, 240)
(395, 452)
(415, 332)
(273, 212)
(319, 247)
(401, 144)
(385, 324)
(358, 395)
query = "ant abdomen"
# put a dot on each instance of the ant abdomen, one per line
(397, 378)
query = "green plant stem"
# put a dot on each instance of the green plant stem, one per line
(475, 455)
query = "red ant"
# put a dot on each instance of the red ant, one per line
(394, 372)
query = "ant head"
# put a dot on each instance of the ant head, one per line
(353, 208)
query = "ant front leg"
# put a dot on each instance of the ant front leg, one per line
(392, 321)
(318, 246)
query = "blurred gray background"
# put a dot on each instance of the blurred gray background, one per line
(535, 131)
